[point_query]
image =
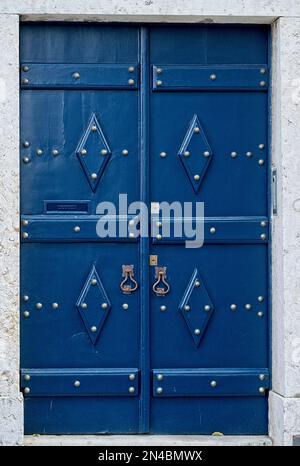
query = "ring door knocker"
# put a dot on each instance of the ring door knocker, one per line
(128, 284)
(161, 275)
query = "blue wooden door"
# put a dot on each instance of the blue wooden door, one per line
(160, 113)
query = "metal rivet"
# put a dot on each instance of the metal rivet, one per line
(84, 305)
(26, 390)
(263, 236)
(131, 69)
(25, 68)
(163, 308)
(197, 283)
(26, 144)
(186, 153)
(39, 305)
(55, 152)
(158, 83)
(260, 299)
(94, 128)
(160, 377)
(212, 230)
(27, 377)
(76, 75)
(125, 306)
(261, 162)
(158, 237)
(104, 152)
(159, 390)
(83, 151)
(77, 229)
(77, 383)
(206, 153)
(25, 223)
(159, 70)
(26, 314)
(262, 70)
(94, 329)
(25, 81)
(131, 235)
(39, 152)
(25, 235)
(262, 83)
(197, 331)
(263, 224)
(213, 384)
(163, 155)
(94, 176)
(248, 307)
(25, 298)
(261, 390)
(233, 155)
(94, 281)
(55, 305)
(261, 376)
(104, 305)
(260, 314)
(159, 224)
(131, 223)
(26, 159)
(233, 307)
(124, 152)
(207, 308)
(187, 307)
(249, 154)
(261, 146)
(196, 177)
(131, 376)
(131, 82)
(213, 77)
(196, 130)
(131, 389)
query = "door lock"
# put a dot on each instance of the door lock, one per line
(128, 284)
(161, 275)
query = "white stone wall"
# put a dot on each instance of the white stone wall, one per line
(284, 15)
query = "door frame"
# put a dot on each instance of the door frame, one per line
(284, 404)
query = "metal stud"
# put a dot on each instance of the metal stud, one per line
(94, 176)
(163, 155)
(77, 383)
(159, 237)
(197, 331)
(27, 377)
(260, 314)
(25, 298)
(159, 83)
(26, 314)
(163, 308)
(131, 235)
(94, 281)
(261, 162)
(263, 236)
(131, 389)
(124, 152)
(77, 229)
(249, 154)
(196, 177)
(261, 146)
(197, 283)
(55, 305)
(213, 77)
(25, 223)
(186, 153)
(26, 390)
(207, 308)
(39, 152)
(212, 230)
(131, 69)
(125, 306)
(26, 144)
(213, 384)
(103, 152)
(206, 153)
(104, 305)
(25, 68)
(248, 307)
(84, 306)
(25, 235)
(55, 152)
(131, 82)
(196, 130)
(25, 81)
(233, 155)
(261, 390)
(233, 307)
(261, 376)
(94, 329)
(131, 376)
(159, 70)
(131, 223)
(187, 308)
(263, 224)
(26, 159)
(94, 128)
(159, 390)
(260, 299)
(158, 224)
(39, 305)
(262, 83)
(262, 70)
(159, 377)
(83, 152)
(76, 75)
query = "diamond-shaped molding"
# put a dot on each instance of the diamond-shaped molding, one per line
(196, 307)
(195, 153)
(93, 152)
(93, 305)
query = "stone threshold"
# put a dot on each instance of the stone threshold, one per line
(146, 440)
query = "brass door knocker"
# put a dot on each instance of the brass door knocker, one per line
(129, 284)
(161, 275)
